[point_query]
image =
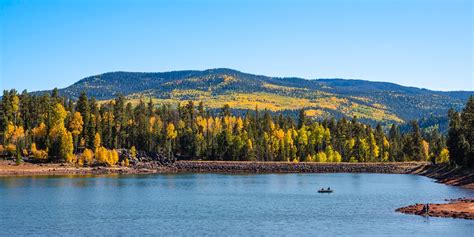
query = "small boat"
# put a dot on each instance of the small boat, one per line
(325, 191)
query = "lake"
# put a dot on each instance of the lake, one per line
(221, 204)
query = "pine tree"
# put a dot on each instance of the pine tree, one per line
(455, 138)
(467, 117)
(416, 146)
(301, 118)
(84, 109)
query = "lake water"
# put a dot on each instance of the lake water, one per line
(221, 205)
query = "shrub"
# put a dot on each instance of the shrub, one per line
(11, 149)
(443, 156)
(106, 157)
(336, 157)
(133, 152)
(38, 154)
(87, 157)
(321, 157)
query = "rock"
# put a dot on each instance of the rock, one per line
(288, 167)
(142, 158)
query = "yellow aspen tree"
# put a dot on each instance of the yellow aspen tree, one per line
(58, 133)
(18, 134)
(39, 131)
(58, 115)
(76, 126)
(9, 131)
(101, 155)
(67, 147)
(329, 154)
(114, 156)
(15, 106)
(171, 133)
(133, 152)
(374, 149)
(443, 156)
(386, 146)
(426, 149)
(127, 162)
(38, 154)
(337, 157)
(10, 148)
(87, 156)
(321, 157)
(97, 142)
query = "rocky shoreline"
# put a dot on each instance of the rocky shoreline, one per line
(289, 167)
(442, 173)
(9, 168)
(447, 175)
(457, 208)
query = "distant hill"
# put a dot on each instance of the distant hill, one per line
(371, 101)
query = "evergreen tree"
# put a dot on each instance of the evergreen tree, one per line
(416, 143)
(455, 138)
(467, 117)
(301, 118)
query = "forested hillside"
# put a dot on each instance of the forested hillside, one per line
(54, 128)
(57, 129)
(369, 101)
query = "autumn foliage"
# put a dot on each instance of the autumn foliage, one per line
(86, 132)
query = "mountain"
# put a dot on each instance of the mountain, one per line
(371, 101)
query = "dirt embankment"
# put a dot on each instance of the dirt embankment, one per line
(457, 208)
(447, 175)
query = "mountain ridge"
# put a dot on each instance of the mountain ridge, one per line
(277, 77)
(326, 97)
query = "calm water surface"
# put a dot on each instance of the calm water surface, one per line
(215, 204)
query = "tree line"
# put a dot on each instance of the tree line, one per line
(460, 141)
(49, 127)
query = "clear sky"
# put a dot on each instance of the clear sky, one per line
(422, 43)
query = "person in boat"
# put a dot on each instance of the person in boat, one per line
(426, 208)
(329, 188)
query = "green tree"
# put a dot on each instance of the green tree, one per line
(467, 117)
(456, 139)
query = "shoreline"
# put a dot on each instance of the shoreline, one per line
(441, 173)
(10, 168)
(462, 208)
(290, 167)
(447, 175)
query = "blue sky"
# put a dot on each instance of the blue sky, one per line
(422, 43)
